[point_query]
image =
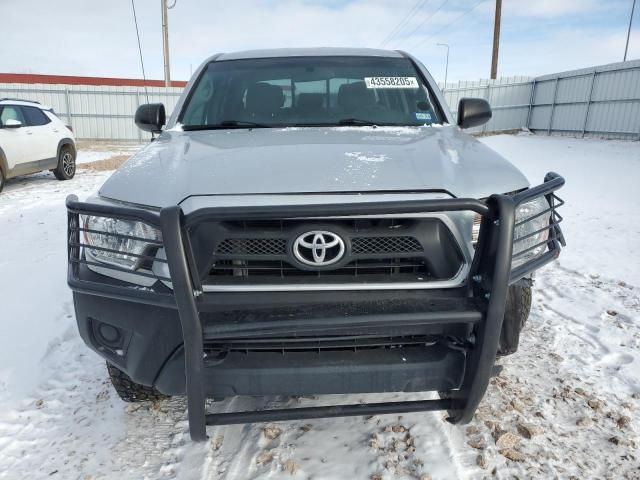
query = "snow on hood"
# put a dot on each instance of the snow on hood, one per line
(311, 160)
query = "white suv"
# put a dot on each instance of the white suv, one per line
(32, 139)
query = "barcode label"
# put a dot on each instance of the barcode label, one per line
(391, 82)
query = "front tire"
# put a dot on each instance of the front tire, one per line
(516, 314)
(130, 391)
(1, 180)
(66, 168)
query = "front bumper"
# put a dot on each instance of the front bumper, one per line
(220, 344)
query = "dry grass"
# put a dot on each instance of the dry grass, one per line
(102, 145)
(291, 467)
(111, 163)
(265, 457)
(271, 432)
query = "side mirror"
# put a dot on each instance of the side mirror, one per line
(12, 123)
(151, 117)
(473, 112)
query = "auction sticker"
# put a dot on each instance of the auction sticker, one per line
(391, 82)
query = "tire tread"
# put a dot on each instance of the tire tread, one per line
(130, 391)
(516, 314)
(58, 172)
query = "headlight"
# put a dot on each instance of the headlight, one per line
(475, 230)
(122, 241)
(531, 229)
(538, 223)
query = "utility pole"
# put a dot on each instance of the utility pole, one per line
(496, 40)
(446, 67)
(626, 48)
(165, 42)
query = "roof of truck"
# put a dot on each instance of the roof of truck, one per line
(310, 52)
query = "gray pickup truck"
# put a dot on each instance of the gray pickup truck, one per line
(310, 221)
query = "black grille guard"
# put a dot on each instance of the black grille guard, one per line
(488, 280)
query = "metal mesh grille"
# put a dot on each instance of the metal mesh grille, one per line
(281, 269)
(316, 344)
(252, 246)
(277, 246)
(385, 245)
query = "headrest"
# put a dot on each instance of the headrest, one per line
(310, 102)
(355, 95)
(264, 98)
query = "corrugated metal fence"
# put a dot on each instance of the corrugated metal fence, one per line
(96, 112)
(509, 98)
(600, 101)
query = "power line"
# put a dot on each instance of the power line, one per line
(144, 77)
(424, 22)
(450, 23)
(401, 24)
(405, 20)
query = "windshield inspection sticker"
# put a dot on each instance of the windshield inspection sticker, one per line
(391, 82)
(423, 116)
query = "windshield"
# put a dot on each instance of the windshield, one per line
(309, 91)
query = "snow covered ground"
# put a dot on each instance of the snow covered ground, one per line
(565, 406)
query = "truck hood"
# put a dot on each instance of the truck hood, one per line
(179, 165)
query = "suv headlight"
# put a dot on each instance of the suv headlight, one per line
(122, 241)
(532, 222)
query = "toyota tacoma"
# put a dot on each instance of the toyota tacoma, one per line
(310, 221)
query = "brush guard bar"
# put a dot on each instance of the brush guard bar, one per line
(489, 278)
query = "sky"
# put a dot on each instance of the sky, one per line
(98, 38)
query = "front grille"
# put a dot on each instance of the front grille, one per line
(278, 246)
(376, 250)
(377, 245)
(252, 246)
(316, 344)
(390, 267)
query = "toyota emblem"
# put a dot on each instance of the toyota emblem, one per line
(318, 248)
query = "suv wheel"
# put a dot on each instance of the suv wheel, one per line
(130, 391)
(1, 180)
(66, 168)
(516, 313)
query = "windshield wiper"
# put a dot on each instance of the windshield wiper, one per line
(226, 124)
(356, 121)
(243, 123)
